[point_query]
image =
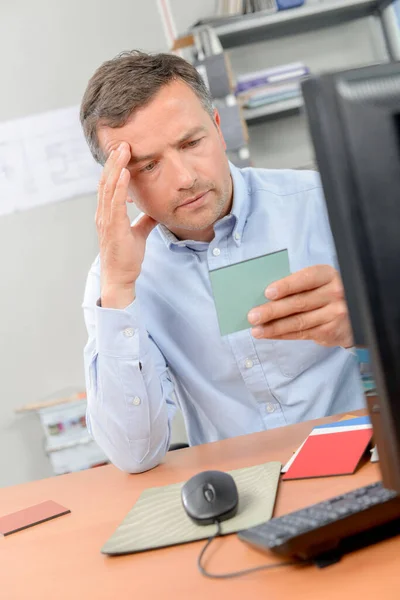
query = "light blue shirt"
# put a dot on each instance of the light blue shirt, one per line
(165, 349)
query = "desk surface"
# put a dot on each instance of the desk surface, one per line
(61, 559)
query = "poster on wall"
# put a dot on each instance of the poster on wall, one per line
(44, 158)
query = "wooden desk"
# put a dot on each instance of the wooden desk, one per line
(61, 559)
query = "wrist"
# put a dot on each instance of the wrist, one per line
(348, 344)
(117, 296)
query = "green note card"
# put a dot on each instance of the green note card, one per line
(240, 287)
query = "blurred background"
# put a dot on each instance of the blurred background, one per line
(252, 54)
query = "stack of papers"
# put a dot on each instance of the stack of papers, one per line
(68, 443)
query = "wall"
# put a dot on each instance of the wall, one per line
(49, 50)
(185, 13)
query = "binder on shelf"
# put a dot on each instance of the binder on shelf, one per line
(216, 74)
(232, 126)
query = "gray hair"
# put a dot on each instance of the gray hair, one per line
(128, 82)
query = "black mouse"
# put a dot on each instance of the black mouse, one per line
(210, 496)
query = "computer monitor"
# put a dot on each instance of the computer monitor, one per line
(354, 120)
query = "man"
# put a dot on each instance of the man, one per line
(154, 341)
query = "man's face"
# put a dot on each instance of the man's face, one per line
(179, 170)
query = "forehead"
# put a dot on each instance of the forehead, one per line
(173, 111)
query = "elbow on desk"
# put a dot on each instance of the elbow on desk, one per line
(134, 467)
(134, 456)
(138, 458)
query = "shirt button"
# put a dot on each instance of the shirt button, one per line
(136, 401)
(248, 363)
(270, 407)
(129, 332)
(216, 251)
(237, 236)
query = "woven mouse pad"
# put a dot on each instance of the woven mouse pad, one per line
(158, 518)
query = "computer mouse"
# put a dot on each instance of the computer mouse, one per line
(210, 496)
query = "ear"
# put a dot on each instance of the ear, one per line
(217, 121)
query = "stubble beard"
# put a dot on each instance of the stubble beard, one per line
(207, 216)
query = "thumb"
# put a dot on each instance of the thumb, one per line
(143, 225)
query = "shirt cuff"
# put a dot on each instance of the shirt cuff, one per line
(118, 330)
(352, 350)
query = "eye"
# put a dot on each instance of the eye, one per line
(148, 168)
(193, 143)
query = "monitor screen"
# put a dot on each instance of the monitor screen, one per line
(354, 121)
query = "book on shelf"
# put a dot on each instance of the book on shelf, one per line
(270, 86)
(272, 75)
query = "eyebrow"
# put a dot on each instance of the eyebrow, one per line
(195, 130)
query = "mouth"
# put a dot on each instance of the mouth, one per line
(195, 201)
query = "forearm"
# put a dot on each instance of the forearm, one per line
(128, 408)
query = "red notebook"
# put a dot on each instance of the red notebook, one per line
(33, 515)
(336, 453)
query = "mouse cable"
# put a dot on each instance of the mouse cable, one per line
(206, 573)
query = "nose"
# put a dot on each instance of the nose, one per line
(183, 173)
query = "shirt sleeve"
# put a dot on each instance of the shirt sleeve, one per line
(130, 394)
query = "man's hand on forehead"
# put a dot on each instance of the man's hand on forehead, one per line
(122, 246)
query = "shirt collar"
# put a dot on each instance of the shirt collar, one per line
(240, 210)
(241, 202)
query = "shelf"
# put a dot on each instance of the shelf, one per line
(253, 28)
(272, 110)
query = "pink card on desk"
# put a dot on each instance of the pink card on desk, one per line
(33, 515)
(330, 453)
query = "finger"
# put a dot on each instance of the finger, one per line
(118, 162)
(313, 334)
(295, 323)
(144, 225)
(301, 281)
(291, 305)
(110, 162)
(111, 159)
(102, 183)
(328, 334)
(118, 202)
(107, 168)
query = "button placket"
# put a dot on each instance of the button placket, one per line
(218, 256)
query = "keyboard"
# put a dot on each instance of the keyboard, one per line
(322, 528)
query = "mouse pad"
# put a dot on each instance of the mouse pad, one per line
(158, 518)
